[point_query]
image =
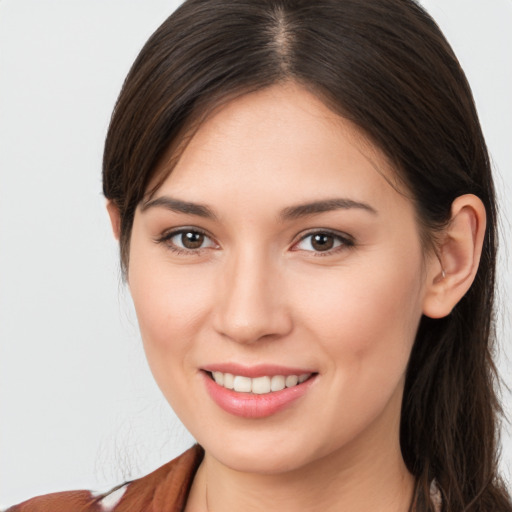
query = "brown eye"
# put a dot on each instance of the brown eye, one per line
(186, 241)
(322, 242)
(192, 239)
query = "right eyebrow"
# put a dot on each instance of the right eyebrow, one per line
(326, 205)
(179, 206)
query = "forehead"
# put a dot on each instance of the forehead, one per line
(270, 139)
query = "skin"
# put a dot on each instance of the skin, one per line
(257, 291)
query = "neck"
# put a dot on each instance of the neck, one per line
(383, 487)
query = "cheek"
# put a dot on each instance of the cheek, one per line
(366, 315)
(364, 321)
(170, 302)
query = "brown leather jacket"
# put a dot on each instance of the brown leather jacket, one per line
(164, 490)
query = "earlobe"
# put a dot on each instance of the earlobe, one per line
(458, 257)
(115, 218)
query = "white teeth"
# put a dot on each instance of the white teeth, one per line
(277, 383)
(228, 381)
(258, 385)
(291, 381)
(242, 384)
(218, 377)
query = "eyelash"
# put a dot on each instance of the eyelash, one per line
(167, 237)
(345, 241)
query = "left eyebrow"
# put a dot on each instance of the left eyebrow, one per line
(179, 206)
(316, 207)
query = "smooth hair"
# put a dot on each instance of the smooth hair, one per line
(385, 66)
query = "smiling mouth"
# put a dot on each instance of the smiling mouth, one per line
(266, 384)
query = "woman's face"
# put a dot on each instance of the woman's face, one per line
(277, 250)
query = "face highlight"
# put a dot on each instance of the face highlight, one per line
(278, 280)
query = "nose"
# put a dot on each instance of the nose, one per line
(251, 302)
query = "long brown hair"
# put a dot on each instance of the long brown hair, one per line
(385, 65)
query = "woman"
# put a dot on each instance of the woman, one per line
(306, 218)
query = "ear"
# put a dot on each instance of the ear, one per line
(115, 218)
(458, 257)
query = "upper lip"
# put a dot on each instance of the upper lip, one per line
(259, 370)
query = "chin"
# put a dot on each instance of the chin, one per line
(254, 460)
(255, 452)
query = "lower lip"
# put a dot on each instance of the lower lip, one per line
(249, 405)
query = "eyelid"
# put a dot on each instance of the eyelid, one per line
(166, 236)
(345, 239)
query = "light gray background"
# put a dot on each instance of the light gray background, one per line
(78, 406)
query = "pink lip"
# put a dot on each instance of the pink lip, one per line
(248, 405)
(259, 370)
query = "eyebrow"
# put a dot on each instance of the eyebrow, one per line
(315, 207)
(289, 213)
(177, 205)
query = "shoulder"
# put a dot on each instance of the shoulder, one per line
(167, 487)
